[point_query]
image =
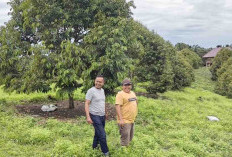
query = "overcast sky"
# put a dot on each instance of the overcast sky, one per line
(203, 22)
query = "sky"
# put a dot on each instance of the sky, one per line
(206, 23)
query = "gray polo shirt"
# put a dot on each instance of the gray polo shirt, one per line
(97, 101)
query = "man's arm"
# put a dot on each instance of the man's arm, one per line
(88, 119)
(118, 110)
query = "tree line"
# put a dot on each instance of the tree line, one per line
(67, 43)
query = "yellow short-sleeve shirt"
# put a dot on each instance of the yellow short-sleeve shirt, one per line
(128, 106)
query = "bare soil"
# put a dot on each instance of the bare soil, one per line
(62, 112)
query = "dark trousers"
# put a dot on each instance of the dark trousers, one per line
(100, 134)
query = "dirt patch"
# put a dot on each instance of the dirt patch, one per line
(62, 112)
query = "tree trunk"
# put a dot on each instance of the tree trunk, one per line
(71, 102)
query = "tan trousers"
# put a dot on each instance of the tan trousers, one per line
(127, 132)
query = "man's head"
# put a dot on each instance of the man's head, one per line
(126, 85)
(99, 81)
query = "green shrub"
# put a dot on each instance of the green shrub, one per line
(191, 57)
(155, 65)
(225, 66)
(183, 72)
(220, 58)
(224, 81)
(163, 67)
(162, 82)
(108, 44)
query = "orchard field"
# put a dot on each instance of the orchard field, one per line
(175, 124)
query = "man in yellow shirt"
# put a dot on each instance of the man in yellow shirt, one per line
(126, 108)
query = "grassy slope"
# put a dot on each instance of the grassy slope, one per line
(173, 125)
(35, 97)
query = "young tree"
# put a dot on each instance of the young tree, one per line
(14, 58)
(224, 81)
(183, 72)
(154, 65)
(107, 44)
(44, 41)
(69, 68)
(222, 56)
(191, 57)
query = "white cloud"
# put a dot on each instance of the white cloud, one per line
(228, 3)
(203, 22)
(4, 9)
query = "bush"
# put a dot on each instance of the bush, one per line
(164, 68)
(191, 57)
(183, 72)
(224, 67)
(224, 82)
(161, 82)
(106, 44)
(155, 65)
(220, 58)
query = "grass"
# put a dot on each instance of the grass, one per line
(175, 124)
(35, 97)
(203, 80)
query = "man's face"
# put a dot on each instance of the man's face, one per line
(99, 82)
(126, 88)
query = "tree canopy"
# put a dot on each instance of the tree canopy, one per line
(43, 42)
(68, 43)
(191, 57)
(222, 56)
(224, 81)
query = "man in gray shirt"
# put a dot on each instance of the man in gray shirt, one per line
(95, 113)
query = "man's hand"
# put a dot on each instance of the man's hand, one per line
(89, 120)
(121, 122)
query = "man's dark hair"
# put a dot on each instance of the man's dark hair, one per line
(100, 76)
